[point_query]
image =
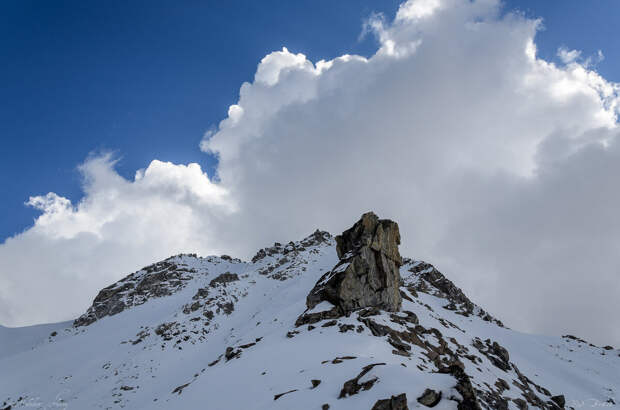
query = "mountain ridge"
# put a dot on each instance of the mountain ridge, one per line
(219, 332)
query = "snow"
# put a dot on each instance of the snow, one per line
(98, 366)
(321, 307)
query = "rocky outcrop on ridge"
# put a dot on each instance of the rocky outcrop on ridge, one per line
(367, 274)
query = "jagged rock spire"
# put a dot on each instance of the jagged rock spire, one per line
(368, 272)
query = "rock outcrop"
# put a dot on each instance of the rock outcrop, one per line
(367, 274)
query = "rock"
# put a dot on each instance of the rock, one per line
(468, 400)
(179, 389)
(315, 382)
(277, 396)
(154, 281)
(224, 278)
(368, 272)
(393, 403)
(559, 400)
(325, 406)
(353, 386)
(429, 398)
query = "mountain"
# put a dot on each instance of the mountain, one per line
(322, 323)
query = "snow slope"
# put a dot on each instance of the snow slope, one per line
(219, 333)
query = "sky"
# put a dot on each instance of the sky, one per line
(487, 130)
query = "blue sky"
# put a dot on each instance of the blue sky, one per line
(146, 79)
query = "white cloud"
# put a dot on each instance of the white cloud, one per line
(457, 130)
(54, 269)
(568, 56)
(498, 166)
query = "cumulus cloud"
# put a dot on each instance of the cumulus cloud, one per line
(55, 268)
(498, 165)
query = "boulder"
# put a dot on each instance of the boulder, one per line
(393, 403)
(429, 398)
(367, 274)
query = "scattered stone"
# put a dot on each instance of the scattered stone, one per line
(277, 396)
(315, 382)
(126, 388)
(227, 307)
(179, 389)
(521, 404)
(468, 399)
(323, 407)
(559, 400)
(202, 293)
(502, 385)
(353, 386)
(429, 398)
(232, 353)
(345, 327)
(393, 403)
(342, 358)
(497, 354)
(330, 323)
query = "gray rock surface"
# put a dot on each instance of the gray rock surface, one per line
(368, 272)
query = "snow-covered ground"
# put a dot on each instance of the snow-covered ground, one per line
(219, 333)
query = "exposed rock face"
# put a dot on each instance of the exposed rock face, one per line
(154, 281)
(368, 272)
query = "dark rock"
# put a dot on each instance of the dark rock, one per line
(464, 387)
(345, 327)
(559, 400)
(330, 323)
(227, 307)
(429, 398)
(277, 396)
(315, 382)
(232, 353)
(179, 389)
(157, 280)
(202, 293)
(323, 407)
(521, 404)
(224, 278)
(310, 318)
(502, 385)
(497, 354)
(427, 279)
(368, 272)
(353, 386)
(393, 403)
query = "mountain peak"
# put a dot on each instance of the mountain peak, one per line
(323, 322)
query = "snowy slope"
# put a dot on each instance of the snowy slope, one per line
(220, 333)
